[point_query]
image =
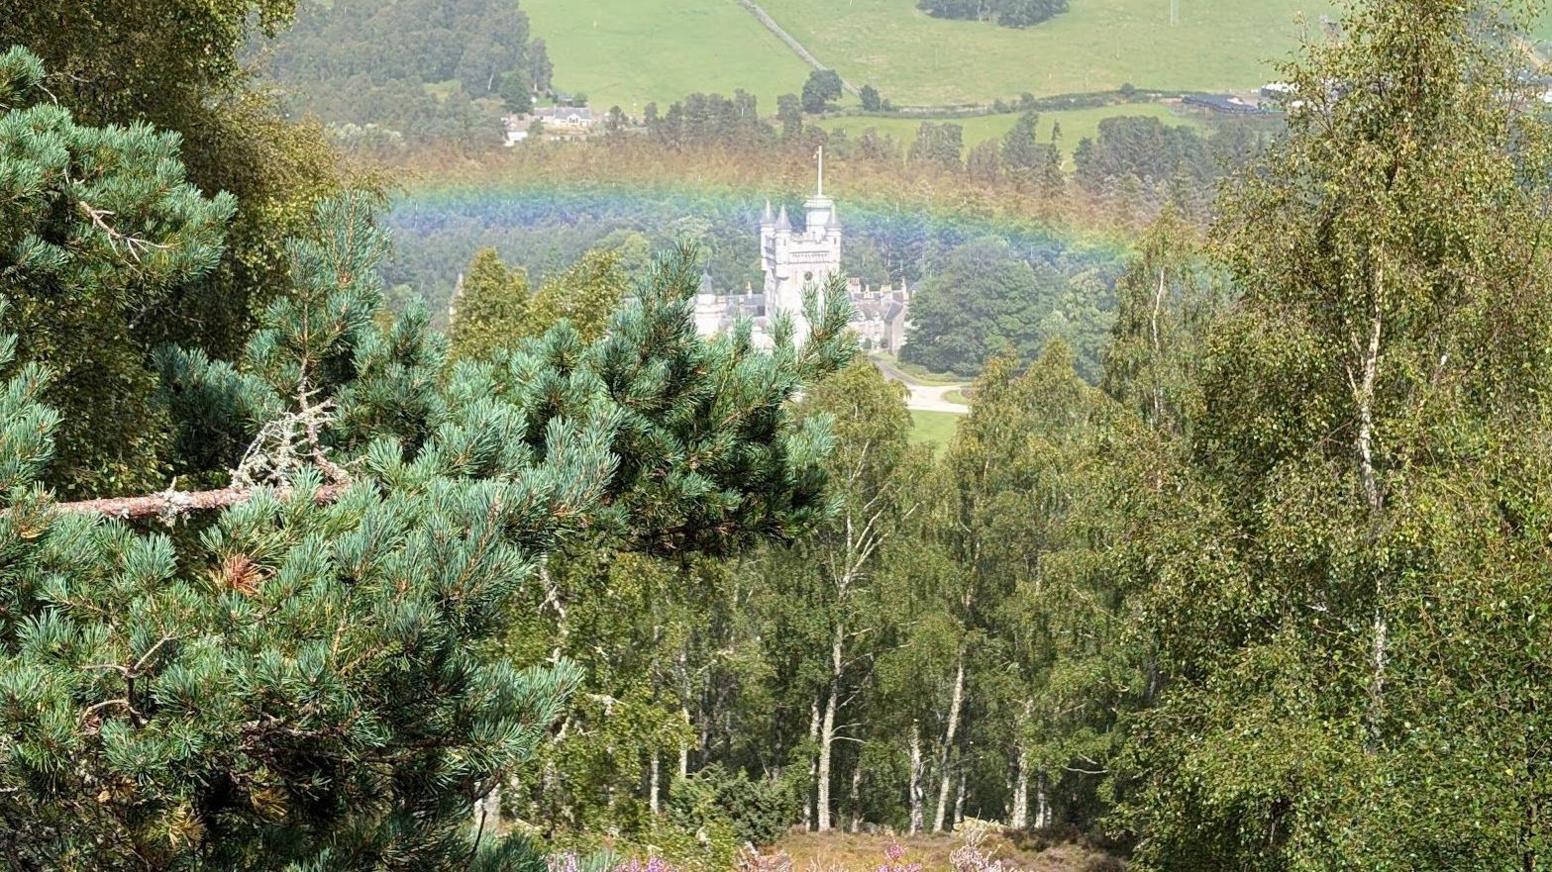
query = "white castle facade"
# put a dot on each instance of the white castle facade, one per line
(794, 260)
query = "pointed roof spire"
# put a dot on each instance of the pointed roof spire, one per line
(782, 221)
(768, 217)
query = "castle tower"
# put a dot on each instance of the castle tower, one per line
(793, 260)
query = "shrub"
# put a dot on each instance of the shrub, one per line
(759, 810)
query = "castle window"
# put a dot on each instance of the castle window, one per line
(808, 277)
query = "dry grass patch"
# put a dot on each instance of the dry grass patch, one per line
(864, 852)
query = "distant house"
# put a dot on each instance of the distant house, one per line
(558, 122)
(578, 117)
(1225, 103)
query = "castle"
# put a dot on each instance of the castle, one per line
(792, 260)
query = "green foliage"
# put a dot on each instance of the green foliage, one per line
(490, 308)
(938, 144)
(1008, 13)
(822, 88)
(1029, 161)
(430, 71)
(101, 225)
(108, 68)
(988, 299)
(1358, 502)
(313, 681)
(759, 810)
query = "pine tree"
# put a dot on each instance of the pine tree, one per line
(100, 226)
(307, 671)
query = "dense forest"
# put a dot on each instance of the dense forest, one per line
(292, 578)
(384, 75)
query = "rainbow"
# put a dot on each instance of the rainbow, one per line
(542, 209)
(423, 210)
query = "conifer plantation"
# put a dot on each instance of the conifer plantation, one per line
(292, 579)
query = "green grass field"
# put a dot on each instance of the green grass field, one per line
(1100, 44)
(1077, 124)
(631, 52)
(933, 428)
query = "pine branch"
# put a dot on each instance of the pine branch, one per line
(174, 503)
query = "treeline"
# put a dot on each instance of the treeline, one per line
(1008, 13)
(1139, 157)
(408, 72)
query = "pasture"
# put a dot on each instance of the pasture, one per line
(631, 52)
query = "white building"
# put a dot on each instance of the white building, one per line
(793, 260)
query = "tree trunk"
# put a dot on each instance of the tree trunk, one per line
(1019, 819)
(1158, 354)
(1042, 804)
(855, 799)
(916, 778)
(946, 778)
(827, 733)
(813, 765)
(1363, 387)
(959, 801)
(652, 785)
(684, 747)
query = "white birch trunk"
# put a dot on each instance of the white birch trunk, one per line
(813, 765)
(946, 778)
(1042, 804)
(856, 797)
(959, 801)
(827, 733)
(1363, 396)
(916, 778)
(652, 785)
(1019, 818)
(684, 747)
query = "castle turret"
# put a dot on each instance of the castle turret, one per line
(795, 261)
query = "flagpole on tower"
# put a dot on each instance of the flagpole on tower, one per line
(820, 155)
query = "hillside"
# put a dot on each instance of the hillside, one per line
(632, 52)
(714, 45)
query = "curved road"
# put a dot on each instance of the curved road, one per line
(924, 398)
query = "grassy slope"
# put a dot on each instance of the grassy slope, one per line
(631, 52)
(913, 58)
(1077, 124)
